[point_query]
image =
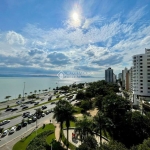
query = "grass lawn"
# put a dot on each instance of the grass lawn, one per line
(50, 138)
(77, 109)
(72, 124)
(22, 144)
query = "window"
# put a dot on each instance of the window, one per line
(148, 88)
(141, 87)
(141, 63)
(141, 70)
(148, 66)
(141, 80)
(148, 81)
(148, 59)
(141, 73)
(141, 84)
(141, 66)
(141, 59)
(141, 91)
(141, 56)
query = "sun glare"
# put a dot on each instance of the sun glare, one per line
(75, 16)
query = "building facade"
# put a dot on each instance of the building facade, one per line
(141, 76)
(109, 75)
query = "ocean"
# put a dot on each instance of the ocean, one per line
(13, 86)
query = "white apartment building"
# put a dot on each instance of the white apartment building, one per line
(141, 76)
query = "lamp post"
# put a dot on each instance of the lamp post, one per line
(23, 90)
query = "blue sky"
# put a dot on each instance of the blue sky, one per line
(46, 36)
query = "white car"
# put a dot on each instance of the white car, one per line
(5, 133)
(12, 130)
(43, 114)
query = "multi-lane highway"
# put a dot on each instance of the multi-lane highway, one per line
(17, 120)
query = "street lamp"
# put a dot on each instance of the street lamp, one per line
(23, 90)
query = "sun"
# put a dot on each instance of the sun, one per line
(75, 16)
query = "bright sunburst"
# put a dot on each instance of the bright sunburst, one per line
(75, 16)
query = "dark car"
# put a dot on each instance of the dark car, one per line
(52, 102)
(8, 109)
(36, 103)
(25, 107)
(24, 124)
(19, 127)
(14, 109)
(44, 107)
(25, 114)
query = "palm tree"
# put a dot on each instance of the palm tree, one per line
(63, 112)
(83, 128)
(99, 123)
(35, 91)
(49, 89)
(39, 91)
(7, 97)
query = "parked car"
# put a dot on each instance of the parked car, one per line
(30, 120)
(36, 103)
(52, 102)
(34, 118)
(8, 109)
(43, 114)
(12, 130)
(4, 122)
(5, 133)
(25, 114)
(42, 99)
(14, 109)
(47, 112)
(19, 127)
(22, 105)
(30, 115)
(24, 124)
(44, 107)
(25, 107)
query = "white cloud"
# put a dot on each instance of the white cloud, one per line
(15, 38)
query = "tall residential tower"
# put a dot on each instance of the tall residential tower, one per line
(109, 75)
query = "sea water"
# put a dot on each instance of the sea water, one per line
(13, 86)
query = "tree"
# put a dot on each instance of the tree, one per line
(100, 122)
(59, 116)
(83, 128)
(19, 96)
(112, 145)
(7, 97)
(35, 91)
(26, 94)
(89, 143)
(39, 91)
(145, 145)
(80, 95)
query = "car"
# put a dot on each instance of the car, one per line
(30, 115)
(14, 109)
(34, 118)
(8, 109)
(5, 133)
(12, 130)
(19, 127)
(43, 114)
(22, 105)
(44, 107)
(25, 113)
(25, 107)
(30, 121)
(42, 99)
(24, 124)
(52, 102)
(47, 112)
(4, 122)
(36, 103)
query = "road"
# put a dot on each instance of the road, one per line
(8, 138)
(17, 120)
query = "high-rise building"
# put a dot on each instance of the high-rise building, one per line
(109, 75)
(120, 76)
(124, 72)
(114, 78)
(130, 79)
(141, 76)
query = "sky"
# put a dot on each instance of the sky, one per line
(45, 37)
